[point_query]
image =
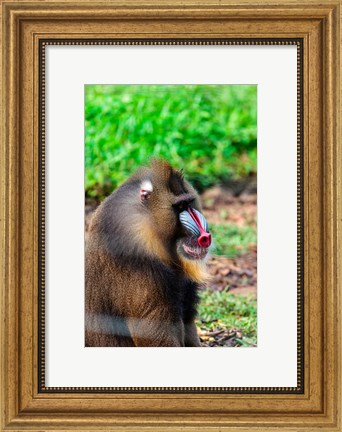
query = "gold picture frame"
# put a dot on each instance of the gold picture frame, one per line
(27, 25)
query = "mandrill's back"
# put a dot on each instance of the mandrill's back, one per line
(103, 326)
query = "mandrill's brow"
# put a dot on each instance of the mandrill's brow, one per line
(186, 198)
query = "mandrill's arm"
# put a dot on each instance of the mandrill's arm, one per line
(191, 338)
(151, 331)
(151, 318)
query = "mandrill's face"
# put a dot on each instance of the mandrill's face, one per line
(197, 239)
(175, 210)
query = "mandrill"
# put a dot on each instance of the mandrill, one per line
(145, 259)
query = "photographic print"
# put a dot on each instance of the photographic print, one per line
(170, 215)
(155, 185)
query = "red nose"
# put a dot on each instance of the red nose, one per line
(204, 240)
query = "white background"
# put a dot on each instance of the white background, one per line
(274, 361)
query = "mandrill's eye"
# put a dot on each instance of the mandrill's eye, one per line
(182, 206)
(183, 203)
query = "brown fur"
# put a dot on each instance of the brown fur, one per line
(139, 290)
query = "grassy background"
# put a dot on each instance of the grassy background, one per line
(210, 131)
(225, 310)
(232, 240)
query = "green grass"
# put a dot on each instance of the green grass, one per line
(231, 311)
(209, 130)
(232, 240)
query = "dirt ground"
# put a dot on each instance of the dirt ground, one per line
(236, 204)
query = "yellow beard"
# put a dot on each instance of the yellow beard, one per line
(195, 270)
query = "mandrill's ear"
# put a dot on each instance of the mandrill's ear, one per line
(146, 189)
